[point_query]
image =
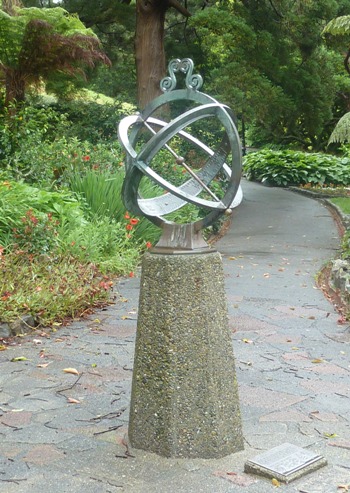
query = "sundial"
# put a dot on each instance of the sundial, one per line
(183, 159)
(210, 171)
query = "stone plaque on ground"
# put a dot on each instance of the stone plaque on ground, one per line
(285, 463)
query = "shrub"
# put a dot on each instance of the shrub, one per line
(36, 146)
(50, 290)
(29, 217)
(284, 168)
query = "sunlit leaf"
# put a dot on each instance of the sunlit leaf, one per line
(70, 400)
(71, 370)
(275, 482)
(247, 341)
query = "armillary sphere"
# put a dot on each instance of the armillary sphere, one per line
(211, 182)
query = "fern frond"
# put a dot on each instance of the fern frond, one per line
(340, 26)
(341, 133)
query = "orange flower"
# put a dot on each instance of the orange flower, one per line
(129, 227)
(148, 244)
(134, 221)
(126, 216)
(131, 274)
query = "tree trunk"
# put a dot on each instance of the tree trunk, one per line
(149, 48)
(15, 87)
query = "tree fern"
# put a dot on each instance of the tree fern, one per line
(341, 133)
(35, 43)
(340, 26)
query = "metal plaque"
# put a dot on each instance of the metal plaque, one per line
(285, 463)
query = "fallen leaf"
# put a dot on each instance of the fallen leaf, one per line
(125, 317)
(19, 358)
(275, 482)
(247, 341)
(267, 275)
(330, 435)
(71, 370)
(37, 341)
(232, 258)
(295, 348)
(344, 487)
(43, 365)
(312, 317)
(2, 348)
(317, 360)
(59, 339)
(70, 400)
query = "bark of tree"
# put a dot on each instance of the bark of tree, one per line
(15, 87)
(149, 46)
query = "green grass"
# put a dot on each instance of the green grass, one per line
(343, 203)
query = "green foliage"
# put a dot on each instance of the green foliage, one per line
(13, 30)
(37, 43)
(339, 26)
(50, 289)
(41, 145)
(114, 24)
(341, 133)
(36, 222)
(267, 61)
(29, 217)
(91, 120)
(104, 242)
(284, 168)
(102, 191)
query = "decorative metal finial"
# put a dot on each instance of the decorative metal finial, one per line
(193, 82)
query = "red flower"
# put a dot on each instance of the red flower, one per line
(129, 227)
(126, 216)
(86, 158)
(148, 244)
(134, 221)
(6, 295)
(131, 274)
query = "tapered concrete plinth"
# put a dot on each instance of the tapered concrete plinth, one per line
(184, 396)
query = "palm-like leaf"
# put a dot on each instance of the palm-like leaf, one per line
(341, 133)
(340, 26)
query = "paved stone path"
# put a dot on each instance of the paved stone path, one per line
(66, 432)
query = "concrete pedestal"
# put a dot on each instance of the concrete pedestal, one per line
(184, 394)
